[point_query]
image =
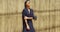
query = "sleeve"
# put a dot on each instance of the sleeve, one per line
(32, 13)
(24, 13)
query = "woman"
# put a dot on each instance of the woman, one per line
(27, 16)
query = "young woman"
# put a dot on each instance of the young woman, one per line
(27, 16)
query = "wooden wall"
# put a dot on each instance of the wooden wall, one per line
(47, 12)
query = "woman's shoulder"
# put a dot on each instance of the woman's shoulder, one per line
(24, 9)
(31, 9)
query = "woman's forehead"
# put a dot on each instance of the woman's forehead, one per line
(28, 1)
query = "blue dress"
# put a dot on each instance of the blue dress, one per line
(31, 14)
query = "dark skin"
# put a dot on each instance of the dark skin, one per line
(27, 6)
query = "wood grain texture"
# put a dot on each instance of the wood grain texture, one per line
(47, 12)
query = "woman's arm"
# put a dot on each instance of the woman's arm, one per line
(28, 17)
(27, 26)
(26, 22)
(25, 18)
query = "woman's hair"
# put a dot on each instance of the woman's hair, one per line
(26, 2)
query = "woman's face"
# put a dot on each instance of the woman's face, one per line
(28, 4)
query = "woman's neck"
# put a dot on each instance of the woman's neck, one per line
(28, 7)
